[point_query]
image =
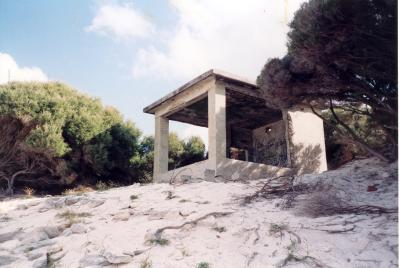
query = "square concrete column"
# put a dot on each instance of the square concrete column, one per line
(161, 146)
(216, 125)
(305, 135)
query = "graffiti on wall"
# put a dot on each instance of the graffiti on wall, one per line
(270, 145)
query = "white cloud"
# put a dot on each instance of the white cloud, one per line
(236, 36)
(10, 71)
(121, 22)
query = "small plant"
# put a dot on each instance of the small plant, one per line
(72, 217)
(221, 229)
(170, 195)
(203, 265)
(133, 197)
(4, 218)
(49, 261)
(275, 228)
(29, 249)
(29, 191)
(102, 186)
(146, 263)
(79, 190)
(184, 252)
(159, 241)
(292, 247)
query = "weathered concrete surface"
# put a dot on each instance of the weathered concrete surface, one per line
(161, 145)
(216, 125)
(307, 142)
(227, 170)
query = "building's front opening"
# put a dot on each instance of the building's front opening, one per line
(195, 114)
(255, 133)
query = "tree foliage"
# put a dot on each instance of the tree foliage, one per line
(94, 140)
(342, 55)
(181, 152)
(71, 138)
(67, 118)
(184, 152)
(19, 162)
(193, 151)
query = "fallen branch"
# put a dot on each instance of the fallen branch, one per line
(332, 231)
(279, 187)
(367, 209)
(159, 232)
(311, 261)
(328, 203)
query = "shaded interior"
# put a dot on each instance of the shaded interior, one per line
(254, 132)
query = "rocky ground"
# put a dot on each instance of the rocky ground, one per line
(210, 224)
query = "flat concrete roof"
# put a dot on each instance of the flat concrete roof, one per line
(218, 74)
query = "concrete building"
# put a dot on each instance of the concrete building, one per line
(246, 139)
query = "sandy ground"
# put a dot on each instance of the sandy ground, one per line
(117, 227)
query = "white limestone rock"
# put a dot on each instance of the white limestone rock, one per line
(78, 228)
(6, 260)
(35, 236)
(96, 203)
(51, 231)
(33, 255)
(71, 200)
(9, 236)
(117, 259)
(40, 263)
(67, 232)
(58, 256)
(93, 260)
(121, 216)
(54, 249)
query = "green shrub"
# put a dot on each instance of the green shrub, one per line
(94, 139)
(203, 265)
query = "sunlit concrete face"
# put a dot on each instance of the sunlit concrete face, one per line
(246, 139)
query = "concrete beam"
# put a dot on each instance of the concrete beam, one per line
(186, 98)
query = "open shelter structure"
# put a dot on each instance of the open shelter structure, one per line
(246, 139)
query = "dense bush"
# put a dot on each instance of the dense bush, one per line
(92, 142)
(67, 118)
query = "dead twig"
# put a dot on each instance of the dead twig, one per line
(174, 176)
(332, 231)
(159, 232)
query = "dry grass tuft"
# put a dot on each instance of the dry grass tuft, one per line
(72, 217)
(78, 190)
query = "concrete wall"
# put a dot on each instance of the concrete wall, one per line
(307, 142)
(227, 170)
(270, 147)
(231, 169)
(190, 172)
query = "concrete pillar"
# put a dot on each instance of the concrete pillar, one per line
(161, 146)
(216, 125)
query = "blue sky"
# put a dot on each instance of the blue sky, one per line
(130, 53)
